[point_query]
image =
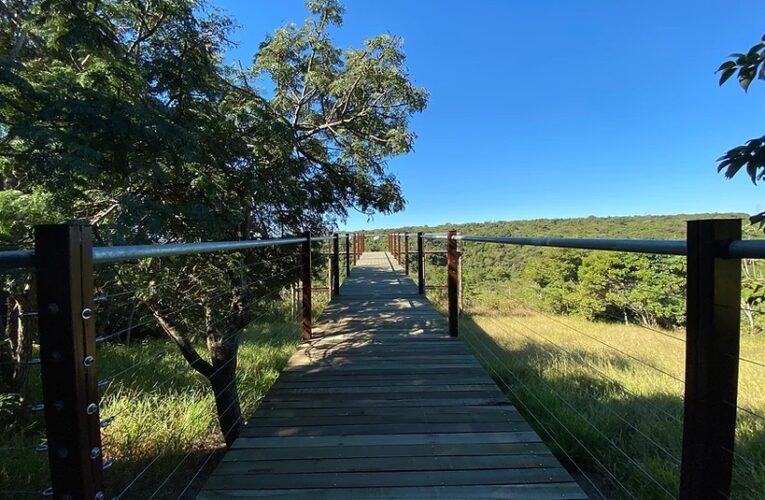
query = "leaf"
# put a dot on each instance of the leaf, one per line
(726, 65)
(727, 74)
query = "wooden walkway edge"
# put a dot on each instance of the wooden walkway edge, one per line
(383, 404)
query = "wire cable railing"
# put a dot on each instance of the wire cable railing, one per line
(696, 411)
(265, 285)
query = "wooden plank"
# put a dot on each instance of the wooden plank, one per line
(245, 452)
(388, 464)
(361, 429)
(386, 439)
(370, 403)
(381, 403)
(383, 479)
(549, 491)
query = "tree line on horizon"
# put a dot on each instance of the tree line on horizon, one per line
(598, 285)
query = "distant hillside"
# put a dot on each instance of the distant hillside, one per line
(487, 265)
(639, 226)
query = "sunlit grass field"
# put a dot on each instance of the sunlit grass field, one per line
(164, 422)
(607, 397)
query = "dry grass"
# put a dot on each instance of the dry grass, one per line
(608, 397)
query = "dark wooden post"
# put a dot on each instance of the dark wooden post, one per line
(347, 254)
(64, 266)
(406, 253)
(355, 248)
(420, 266)
(335, 264)
(398, 247)
(711, 360)
(306, 279)
(452, 285)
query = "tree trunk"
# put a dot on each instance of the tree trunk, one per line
(223, 383)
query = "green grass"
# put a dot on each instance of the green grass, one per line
(615, 414)
(164, 414)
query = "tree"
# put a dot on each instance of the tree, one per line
(124, 114)
(751, 156)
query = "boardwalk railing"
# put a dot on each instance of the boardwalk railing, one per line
(713, 251)
(68, 272)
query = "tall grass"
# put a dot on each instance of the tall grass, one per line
(164, 420)
(608, 397)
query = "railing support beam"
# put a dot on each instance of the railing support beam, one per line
(305, 278)
(452, 283)
(711, 362)
(406, 253)
(347, 255)
(420, 265)
(64, 265)
(335, 264)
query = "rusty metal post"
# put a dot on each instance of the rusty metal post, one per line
(347, 255)
(713, 315)
(406, 253)
(335, 264)
(64, 267)
(306, 280)
(420, 265)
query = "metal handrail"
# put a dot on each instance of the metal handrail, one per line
(663, 247)
(740, 249)
(20, 259)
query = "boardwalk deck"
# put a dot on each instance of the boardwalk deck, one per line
(383, 404)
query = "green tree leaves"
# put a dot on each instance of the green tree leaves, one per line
(750, 156)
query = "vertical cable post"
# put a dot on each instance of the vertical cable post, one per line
(305, 278)
(335, 264)
(420, 265)
(64, 267)
(406, 253)
(711, 360)
(452, 285)
(347, 255)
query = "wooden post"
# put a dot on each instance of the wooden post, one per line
(335, 264)
(398, 247)
(306, 279)
(347, 255)
(355, 248)
(451, 246)
(406, 253)
(460, 292)
(711, 360)
(64, 266)
(420, 266)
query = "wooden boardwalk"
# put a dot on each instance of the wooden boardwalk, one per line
(385, 405)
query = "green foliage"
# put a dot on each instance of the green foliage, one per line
(751, 155)
(125, 115)
(604, 286)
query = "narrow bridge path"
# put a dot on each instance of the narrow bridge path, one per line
(384, 404)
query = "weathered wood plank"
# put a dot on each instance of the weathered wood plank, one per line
(384, 404)
(548, 491)
(388, 464)
(383, 479)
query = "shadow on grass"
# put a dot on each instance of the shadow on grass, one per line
(152, 418)
(622, 439)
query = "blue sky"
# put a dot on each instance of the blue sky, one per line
(557, 108)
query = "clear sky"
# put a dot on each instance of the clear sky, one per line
(557, 108)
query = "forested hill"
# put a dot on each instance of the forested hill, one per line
(598, 285)
(639, 226)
